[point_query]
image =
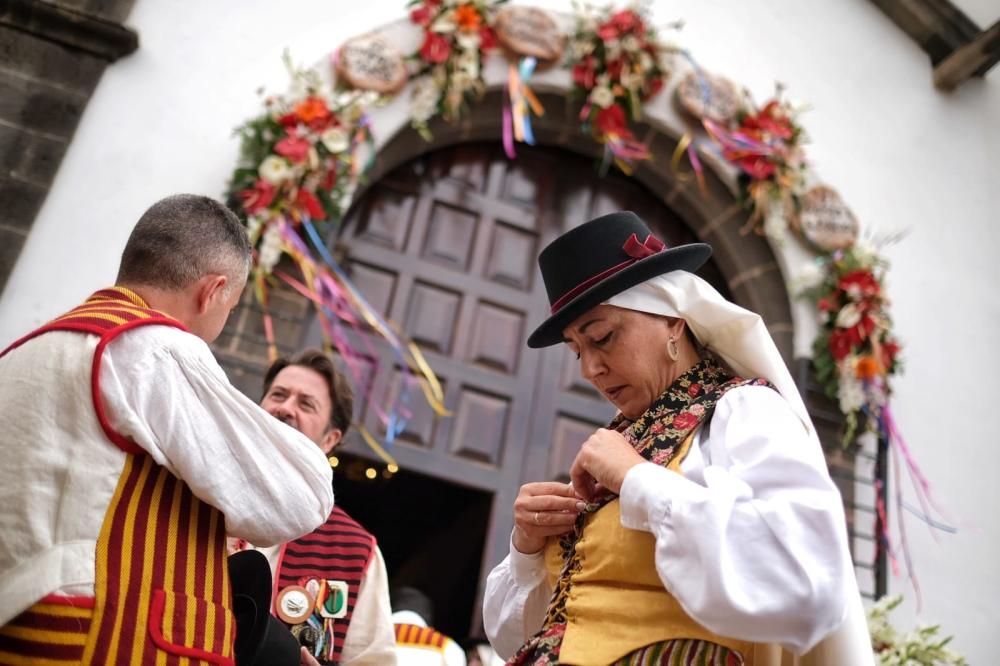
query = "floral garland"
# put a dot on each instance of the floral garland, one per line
(300, 159)
(855, 351)
(765, 146)
(617, 61)
(449, 62)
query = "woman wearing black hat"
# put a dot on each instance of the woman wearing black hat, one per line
(701, 526)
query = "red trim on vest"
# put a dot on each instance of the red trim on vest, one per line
(117, 302)
(64, 600)
(413, 634)
(156, 633)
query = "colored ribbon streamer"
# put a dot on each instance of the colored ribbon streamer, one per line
(519, 103)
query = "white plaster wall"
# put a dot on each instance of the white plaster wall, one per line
(905, 157)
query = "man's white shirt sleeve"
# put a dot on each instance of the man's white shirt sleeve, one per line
(163, 389)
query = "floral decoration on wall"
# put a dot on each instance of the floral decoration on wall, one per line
(618, 63)
(457, 36)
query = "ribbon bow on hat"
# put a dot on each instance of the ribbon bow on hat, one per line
(647, 248)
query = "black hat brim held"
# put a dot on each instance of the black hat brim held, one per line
(591, 249)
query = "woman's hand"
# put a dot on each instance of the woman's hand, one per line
(603, 461)
(306, 659)
(542, 510)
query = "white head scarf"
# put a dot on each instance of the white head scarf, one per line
(736, 336)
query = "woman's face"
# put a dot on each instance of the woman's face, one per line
(623, 353)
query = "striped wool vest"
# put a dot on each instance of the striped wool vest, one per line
(337, 552)
(162, 592)
(413, 635)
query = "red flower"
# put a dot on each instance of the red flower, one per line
(826, 304)
(258, 197)
(684, 421)
(330, 179)
(655, 86)
(422, 15)
(694, 389)
(890, 350)
(611, 121)
(288, 120)
(583, 73)
(487, 38)
(772, 120)
(628, 21)
(307, 202)
(295, 148)
(435, 49)
(862, 281)
(614, 69)
(840, 344)
(607, 32)
(757, 167)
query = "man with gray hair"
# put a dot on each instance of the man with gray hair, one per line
(128, 456)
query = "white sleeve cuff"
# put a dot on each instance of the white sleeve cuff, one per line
(526, 568)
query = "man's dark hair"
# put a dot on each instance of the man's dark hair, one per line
(182, 238)
(341, 394)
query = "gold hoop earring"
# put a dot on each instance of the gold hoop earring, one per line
(672, 350)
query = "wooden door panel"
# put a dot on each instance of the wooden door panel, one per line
(450, 237)
(432, 315)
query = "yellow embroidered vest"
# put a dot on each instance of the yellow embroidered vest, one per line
(617, 602)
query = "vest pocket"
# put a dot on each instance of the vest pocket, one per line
(190, 627)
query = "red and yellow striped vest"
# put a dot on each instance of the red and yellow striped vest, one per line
(416, 636)
(162, 592)
(340, 550)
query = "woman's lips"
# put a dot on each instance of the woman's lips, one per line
(614, 392)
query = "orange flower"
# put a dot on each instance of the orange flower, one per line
(312, 109)
(467, 18)
(867, 368)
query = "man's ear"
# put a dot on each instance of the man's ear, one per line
(330, 440)
(210, 290)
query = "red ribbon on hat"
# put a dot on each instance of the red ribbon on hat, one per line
(647, 248)
(633, 248)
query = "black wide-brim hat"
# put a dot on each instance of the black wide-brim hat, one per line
(261, 638)
(600, 259)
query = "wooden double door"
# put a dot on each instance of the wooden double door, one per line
(447, 247)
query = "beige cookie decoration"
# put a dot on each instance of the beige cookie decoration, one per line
(529, 31)
(707, 96)
(370, 62)
(825, 220)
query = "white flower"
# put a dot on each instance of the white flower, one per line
(602, 96)
(582, 48)
(270, 249)
(424, 102)
(335, 140)
(850, 393)
(444, 23)
(810, 276)
(645, 61)
(630, 43)
(612, 48)
(848, 316)
(865, 252)
(274, 169)
(469, 63)
(468, 41)
(254, 224)
(775, 222)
